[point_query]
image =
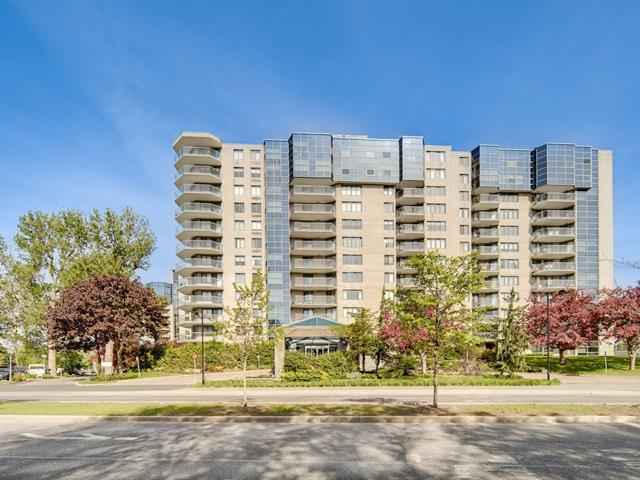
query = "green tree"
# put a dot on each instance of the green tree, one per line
(512, 338)
(48, 245)
(360, 335)
(438, 302)
(247, 322)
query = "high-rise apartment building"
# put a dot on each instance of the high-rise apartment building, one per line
(333, 219)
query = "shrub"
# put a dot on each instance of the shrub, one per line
(304, 375)
(336, 364)
(295, 361)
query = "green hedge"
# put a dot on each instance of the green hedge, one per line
(218, 356)
(299, 367)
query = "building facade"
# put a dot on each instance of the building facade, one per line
(167, 292)
(333, 219)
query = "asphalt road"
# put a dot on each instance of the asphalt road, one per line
(584, 389)
(53, 448)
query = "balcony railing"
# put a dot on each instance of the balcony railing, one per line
(191, 299)
(485, 233)
(314, 299)
(407, 282)
(554, 197)
(489, 267)
(321, 208)
(314, 263)
(411, 246)
(313, 190)
(555, 283)
(200, 225)
(205, 281)
(198, 188)
(410, 228)
(554, 214)
(486, 198)
(199, 170)
(410, 192)
(198, 151)
(200, 262)
(487, 249)
(313, 245)
(553, 232)
(199, 207)
(410, 210)
(553, 266)
(199, 244)
(553, 249)
(314, 282)
(313, 227)
(485, 302)
(484, 216)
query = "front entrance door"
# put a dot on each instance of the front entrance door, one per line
(316, 350)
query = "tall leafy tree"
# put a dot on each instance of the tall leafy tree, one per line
(572, 321)
(247, 322)
(360, 335)
(99, 310)
(619, 317)
(512, 338)
(438, 305)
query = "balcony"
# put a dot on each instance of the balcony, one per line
(198, 211)
(188, 230)
(549, 252)
(486, 252)
(314, 283)
(313, 247)
(409, 196)
(313, 265)
(402, 267)
(192, 192)
(553, 235)
(312, 193)
(193, 319)
(197, 156)
(410, 231)
(196, 337)
(313, 301)
(489, 268)
(190, 248)
(197, 174)
(485, 201)
(189, 285)
(192, 302)
(303, 316)
(544, 201)
(313, 230)
(410, 213)
(485, 219)
(193, 265)
(407, 282)
(490, 286)
(485, 235)
(490, 302)
(407, 249)
(553, 268)
(553, 218)
(552, 284)
(312, 211)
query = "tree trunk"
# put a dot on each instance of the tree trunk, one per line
(53, 367)
(561, 356)
(423, 359)
(244, 381)
(436, 365)
(377, 365)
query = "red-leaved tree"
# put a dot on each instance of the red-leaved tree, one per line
(105, 309)
(619, 315)
(405, 338)
(572, 322)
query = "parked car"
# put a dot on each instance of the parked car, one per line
(36, 369)
(4, 373)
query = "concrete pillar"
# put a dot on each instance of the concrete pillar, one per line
(278, 357)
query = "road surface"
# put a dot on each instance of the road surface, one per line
(584, 389)
(53, 448)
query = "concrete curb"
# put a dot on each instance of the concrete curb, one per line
(319, 419)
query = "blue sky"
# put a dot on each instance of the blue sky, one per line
(93, 93)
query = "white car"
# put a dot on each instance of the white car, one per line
(36, 369)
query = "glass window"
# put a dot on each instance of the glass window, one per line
(388, 207)
(350, 311)
(509, 197)
(438, 157)
(388, 260)
(238, 207)
(464, 161)
(436, 208)
(256, 260)
(256, 225)
(465, 230)
(352, 190)
(388, 224)
(389, 191)
(240, 279)
(509, 263)
(352, 259)
(352, 277)
(388, 242)
(352, 242)
(238, 172)
(509, 214)
(352, 294)
(463, 179)
(463, 196)
(256, 207)
(436, 243)
(238, 154)
(351, 206)
(436, 191)
(436, 173)
(240, 243)
(256, 190)
(389, 277)
(464, 213)
(238, 225)
(509, 230)
(255, 155)
(239, 260)
(351, 224)
(465, 246)
(509, 246)
(255, 172)
(256, 243)
(434, 226)
(238, 189)
(510, 281)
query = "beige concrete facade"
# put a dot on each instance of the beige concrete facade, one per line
(348, 240)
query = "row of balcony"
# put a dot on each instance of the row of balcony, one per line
(313, 300)
(191, 192)
(198, 228)
(198, 211)
(197, 174)
(191, 265)
(189, 248)
(313, 283)
(542, 201)
(312, 211)
(197, 156)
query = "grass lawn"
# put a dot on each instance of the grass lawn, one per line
(445, 380)
(583, 365)
(127, 376)
(229, 409)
